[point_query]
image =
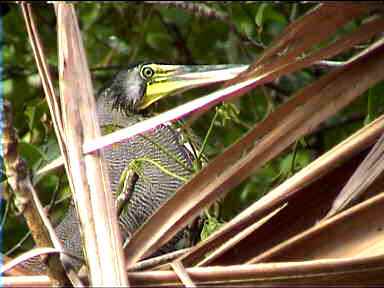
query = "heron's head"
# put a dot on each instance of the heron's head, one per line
(141, 85)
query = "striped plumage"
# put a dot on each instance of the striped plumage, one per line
(119, 105)
(154, 185)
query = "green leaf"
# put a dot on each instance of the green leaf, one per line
(260, 14)
(211, 224)
(3, 176)
(158, 40)
(49, 184)
(375, 103)
(301, 159)
(51, 148)
(227, 112)
(176, 16)
(31, 153)
(34, 111)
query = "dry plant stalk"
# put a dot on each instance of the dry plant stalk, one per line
(182, 274)
(26, 281)
(12, 263)
(13, 271)
(159, 260)
(314, 272)
(47, 83)
(299, 116)
(53, 106)
(263, 143)
(291, 187)
(92, 194)
(283, 66)
(282, 193)
(267, 72)
(28, 203)
(356, 232)
(368, 171)
(239, 237)
(303, 34)
(308, 201)
(364, 270)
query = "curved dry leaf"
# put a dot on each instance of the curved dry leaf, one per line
(332, 169)
(309, 272)
(92, 194)
(264, 70)
(240, 237)
(358, 231)
(27, 255)
(26, 281)
(310, 107)
(368, 171)
(303, 34)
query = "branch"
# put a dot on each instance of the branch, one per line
(91, 187)
(203, 10)
(27, 201)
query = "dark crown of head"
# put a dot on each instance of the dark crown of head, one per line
(125, 90)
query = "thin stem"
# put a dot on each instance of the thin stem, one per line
(294, 157)
(3, 219)
(207, 135)
(18, 244)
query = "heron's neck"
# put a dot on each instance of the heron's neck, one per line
(110, 116)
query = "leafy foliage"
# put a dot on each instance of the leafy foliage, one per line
(116, 35)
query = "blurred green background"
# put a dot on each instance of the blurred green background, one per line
(118, 34)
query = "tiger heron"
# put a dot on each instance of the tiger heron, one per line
(159, 159)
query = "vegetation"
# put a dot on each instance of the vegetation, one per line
(116, 35)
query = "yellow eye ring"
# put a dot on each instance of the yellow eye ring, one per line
(147, 72)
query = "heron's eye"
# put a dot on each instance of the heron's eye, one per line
(147, 72)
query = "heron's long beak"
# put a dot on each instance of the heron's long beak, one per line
(171, 79)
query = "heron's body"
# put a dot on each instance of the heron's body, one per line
(162, 161)
(153, 186)
(158, 155)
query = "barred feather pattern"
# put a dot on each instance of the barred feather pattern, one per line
(154, 186)
(151, 190)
